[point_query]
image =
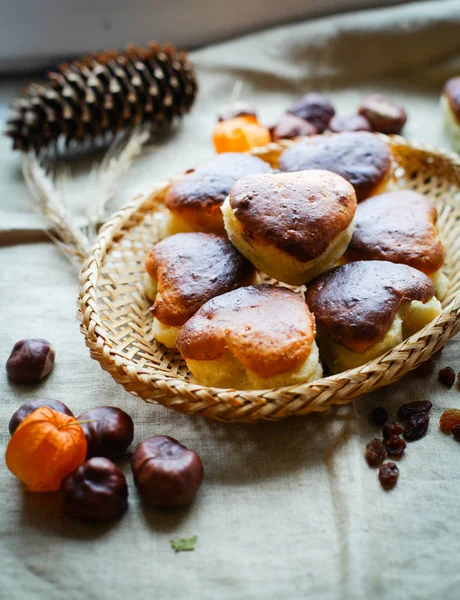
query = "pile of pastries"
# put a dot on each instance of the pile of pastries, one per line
(371, 260)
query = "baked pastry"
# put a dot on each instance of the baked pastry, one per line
(291, 226)
(255, 337)
(194, 200)
(450, 104)
(186, 270)
(400, 227)
(359, 156)
(362, 309)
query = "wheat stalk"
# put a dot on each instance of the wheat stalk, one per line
(66, 234)
(74, 244)
(105, 175)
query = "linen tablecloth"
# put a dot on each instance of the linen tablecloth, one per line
(286, 509)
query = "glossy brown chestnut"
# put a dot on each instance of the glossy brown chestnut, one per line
(109, 432)
(30, 360)
(290, 126)
(167, 473)
(383, 114)
(314, 108)
(29, 407)
(237, 109)
(96, 491)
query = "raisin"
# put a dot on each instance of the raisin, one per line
(447, 377)
(379, 415)
(395, 445)
(388, 475)
(449, 419)
(375, 452)
(412, 408)
(416, 427)
(426, 368)
(390, 429)
(456, 432)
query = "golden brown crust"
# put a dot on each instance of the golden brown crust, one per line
(452, 93)
(197, 196)
(299, 213)
(359, 156)
(356, 303)
(399, 227)
(268, 329)
(192, 268)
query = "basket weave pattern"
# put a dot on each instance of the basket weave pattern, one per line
(116, 322)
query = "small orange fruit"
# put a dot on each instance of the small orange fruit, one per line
(240, 134)
(47, 446)
(449, 419)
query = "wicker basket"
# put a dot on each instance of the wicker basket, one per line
(117, 324)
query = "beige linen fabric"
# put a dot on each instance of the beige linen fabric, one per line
(286, 509)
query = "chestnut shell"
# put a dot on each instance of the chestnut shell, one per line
(30, 360)
(110, 432)
(384, 115)
(96, 491)
(314, 108)
(29, 407)
(290, 126)
(166, 473)
(340, 123)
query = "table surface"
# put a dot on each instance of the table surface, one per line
(288, 508)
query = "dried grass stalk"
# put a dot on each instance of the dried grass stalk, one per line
(49, 192)
(72, 242)
(105, 175)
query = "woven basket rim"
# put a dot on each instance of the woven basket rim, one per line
(108, 355)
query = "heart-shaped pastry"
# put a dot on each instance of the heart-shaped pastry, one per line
(186, 270)
(194, 200)
(252, 338)
(400, 227)
(291, 226)
(359, 156)
(364, 308)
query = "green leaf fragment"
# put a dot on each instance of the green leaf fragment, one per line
(184, 544)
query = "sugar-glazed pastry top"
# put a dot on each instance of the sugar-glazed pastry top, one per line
(399, 227)
(191, 268)
(357, 303)
(359, 156)
(298, 213)
(197, 196)
(268, 329)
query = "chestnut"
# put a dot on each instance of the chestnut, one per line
(167, 473)
(314, 108)
(383, 114)
(236, 109)
(29, 407)
(30, 360)
(109, 432)
(96, 490)
(290, 126)
(340, 123)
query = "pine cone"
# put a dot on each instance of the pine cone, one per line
(96, 97)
